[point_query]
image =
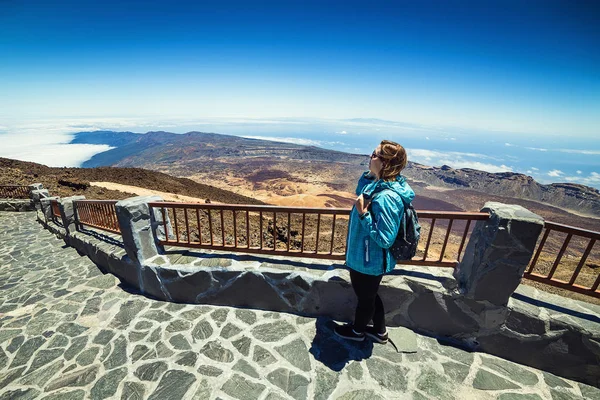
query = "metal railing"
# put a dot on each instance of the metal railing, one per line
(99, 214)
(14, 192)
(55, 209)
(566, 261)
(444, 235)
(567, 252)
(299, 231)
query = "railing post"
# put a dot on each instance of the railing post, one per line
(140, 230)
(47, 206)
(67, 213)
(498, 252)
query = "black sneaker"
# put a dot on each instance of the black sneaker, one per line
(347, 332)
(377, 337)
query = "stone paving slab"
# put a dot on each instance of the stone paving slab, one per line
(69, 332)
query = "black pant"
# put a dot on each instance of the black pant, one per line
(370, 306)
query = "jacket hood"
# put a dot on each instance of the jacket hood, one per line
(400, 186)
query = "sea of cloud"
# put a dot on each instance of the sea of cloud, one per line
(300, 141)
(47, 141)
(456, 159)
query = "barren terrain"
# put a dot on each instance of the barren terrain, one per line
(298, 183)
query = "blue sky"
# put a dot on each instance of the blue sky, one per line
(492, 85)
(529, 67)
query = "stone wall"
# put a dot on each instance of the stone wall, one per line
(19, 205)
(22, 205)
(467, 307)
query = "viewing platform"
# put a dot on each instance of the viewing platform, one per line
(171, 291)
(69, 331)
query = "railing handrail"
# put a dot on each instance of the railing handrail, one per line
(458, 215)
(96, 201)
(252, 207)
(555, 226)
(549, 278)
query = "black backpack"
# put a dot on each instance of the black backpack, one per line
(409, 233)
(405, 245)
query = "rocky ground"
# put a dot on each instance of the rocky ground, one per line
(69, 332)
(65, 182)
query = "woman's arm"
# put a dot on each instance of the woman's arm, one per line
(383, 220)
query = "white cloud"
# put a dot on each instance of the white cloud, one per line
(586, 152)
(570, 151)
(529, 171)
(535, 169)
(58, 155)
(536, 148)
(478, 165)
(509, 145)
(455, 160)
(300, 141)
(342, 133)
(47, 141)
(435, 153)
(426, 137)
(593, 179)
(555, 173)
(579, 172)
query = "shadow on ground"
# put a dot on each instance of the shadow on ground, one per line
(333, 351)
(556, 307)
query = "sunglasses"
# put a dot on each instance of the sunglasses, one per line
(375, 155)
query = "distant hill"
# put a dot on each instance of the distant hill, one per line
(114, 139)
(210, 156)
(160, 147)
(571, 196)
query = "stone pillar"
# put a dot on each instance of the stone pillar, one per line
(140, 229)
(37, 195)
(35, 186)
(67, 213)
(47, 207)
(498, 253)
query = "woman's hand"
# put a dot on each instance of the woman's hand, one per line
(362, 205)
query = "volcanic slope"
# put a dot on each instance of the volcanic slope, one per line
(76, 181)
(276, 173)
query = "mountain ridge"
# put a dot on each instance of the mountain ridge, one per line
(184, 154)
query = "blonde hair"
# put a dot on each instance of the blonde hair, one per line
(394, 159)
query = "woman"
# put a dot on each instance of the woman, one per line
(374, 224)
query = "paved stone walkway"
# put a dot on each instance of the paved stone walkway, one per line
(69, 332)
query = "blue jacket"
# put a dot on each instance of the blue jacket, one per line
(369, 237)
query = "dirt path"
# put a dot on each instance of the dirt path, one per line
(148, 192)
